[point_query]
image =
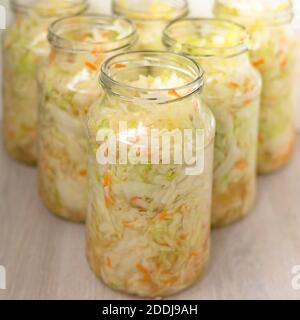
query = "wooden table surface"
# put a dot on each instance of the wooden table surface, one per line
(44, 256)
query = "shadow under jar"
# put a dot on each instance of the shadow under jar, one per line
(274, 54)
(150, 17)
(69, 85)
(148, 225)
(232, 91)
(25, 49)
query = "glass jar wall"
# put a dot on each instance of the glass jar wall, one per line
(69, 85)
(274, 54)
(149, 219)
(232, 91)
(151, 17)
(25, 49)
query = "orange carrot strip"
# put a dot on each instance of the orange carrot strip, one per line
(120, 65)
(106, 180)
(174, 93)
(259, 62)
(52, 56)
(194, 254)
(171, 280)
(91, 65)
(109, 262)
(241, 164)
(233, 85)
(144, 271)
(107, 201)
(83, 173)
(134, 198)
(163, 215)
(104, 34)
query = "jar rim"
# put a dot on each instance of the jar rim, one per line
(25, 6)
(180, 7)
(227, 51)
(268, 17)
(60, 42)
(150, 56)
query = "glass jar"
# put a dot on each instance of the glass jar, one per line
(232, 91)
(151, 17)
(149, 216)
(25, 48)
(274, 54)
(69, 85)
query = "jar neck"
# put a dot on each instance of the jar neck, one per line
(206, 38)
(95, 34)
(151, 10)
(264, 12)
(173, 77)
(49, 9)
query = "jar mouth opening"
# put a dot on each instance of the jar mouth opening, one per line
(128, 74)
(206, 37)
(92, 33)
(49, 9)
(267, 13)
(169, 10)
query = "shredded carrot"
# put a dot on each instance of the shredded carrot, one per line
(120, 65)
(104, 34)
(82, 173)
(259, 62)
(96, 50)
(127, 224)
(247, 101)
(91, 65)
(283, 64)
(171, 280)
(241, 164)
(144, 271)
(233, 85)
(52, 56)
(107, 200)
(194, 254)
(106, 180)
(109, 262)
(174, 93)
(163, 215)
(134, 198)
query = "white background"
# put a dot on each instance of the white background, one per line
(197, 8)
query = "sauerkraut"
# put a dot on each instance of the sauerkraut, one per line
(232, 91)
(151, 17)
(274, 52)
(149, 224)
(25, 49)
(69, 85)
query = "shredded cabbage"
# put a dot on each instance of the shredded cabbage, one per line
(69, 85)
(232, 91)
(150, 17)
(274, 52)
(149, 225)
(25, 49)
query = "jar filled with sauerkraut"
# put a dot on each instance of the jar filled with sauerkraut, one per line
(232, 91)
(150, 169)
(274, 54)
(69, 85)
(151, 17)
(25, 49)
